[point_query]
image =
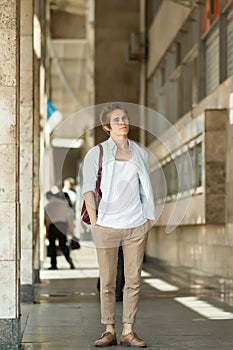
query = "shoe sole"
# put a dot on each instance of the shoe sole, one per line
(103, 346)
(131, 345)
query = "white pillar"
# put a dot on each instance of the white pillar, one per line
(9, 179)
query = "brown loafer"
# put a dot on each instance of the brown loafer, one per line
(131, 339)
(106, 339)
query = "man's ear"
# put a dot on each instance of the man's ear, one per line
(106, 128)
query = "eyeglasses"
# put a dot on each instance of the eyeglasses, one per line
(118, 120)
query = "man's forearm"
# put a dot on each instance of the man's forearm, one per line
(89, 198)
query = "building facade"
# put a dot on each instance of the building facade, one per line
(189, 81)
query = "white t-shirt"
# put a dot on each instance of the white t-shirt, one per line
(124, 208)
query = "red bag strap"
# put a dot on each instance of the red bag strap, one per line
(99, 169)
(100, 159)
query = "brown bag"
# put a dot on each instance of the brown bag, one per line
(98, 195)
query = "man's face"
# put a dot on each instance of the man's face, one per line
(68, 185)
(119, 123)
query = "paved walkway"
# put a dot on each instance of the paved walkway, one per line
(66, 315)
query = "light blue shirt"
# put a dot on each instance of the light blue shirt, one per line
(140, 159)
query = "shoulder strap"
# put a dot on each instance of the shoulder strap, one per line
(98, 181)
(100, 158)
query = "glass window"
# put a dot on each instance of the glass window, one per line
(179, 164)
(174, 178)
(192, 153)
(181, 174)
(166, 170)
(159, 183)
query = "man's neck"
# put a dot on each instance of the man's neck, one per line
(121, 143)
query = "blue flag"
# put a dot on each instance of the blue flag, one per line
(53, 117)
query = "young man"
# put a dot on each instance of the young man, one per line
(125, 214)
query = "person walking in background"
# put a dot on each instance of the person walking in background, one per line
(70, 190)
(63, 195)
(125, 214)
(59, 219)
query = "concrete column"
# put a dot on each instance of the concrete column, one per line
(215, 147)
(9, 179)
(26, 148)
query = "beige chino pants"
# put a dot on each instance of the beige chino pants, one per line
(107, 242)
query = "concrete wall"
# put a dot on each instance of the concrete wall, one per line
(203, 248)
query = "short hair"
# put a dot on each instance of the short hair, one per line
(107, 110)
(70, 180)
(49, 194)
